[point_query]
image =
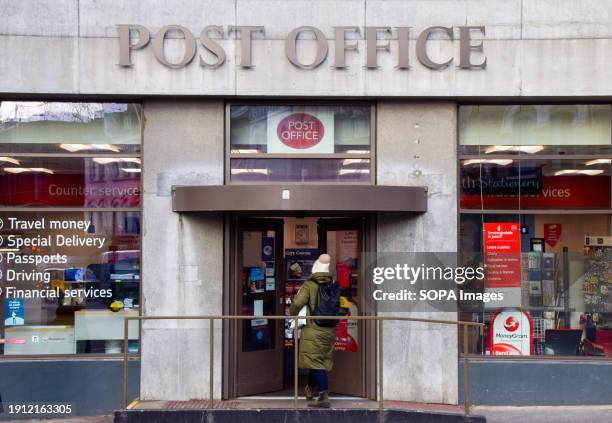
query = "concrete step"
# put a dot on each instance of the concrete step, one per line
(335, 415)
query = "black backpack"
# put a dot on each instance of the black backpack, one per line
(328, 303)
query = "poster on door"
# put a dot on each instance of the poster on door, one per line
(502, 254)
(347, 335)
(552, 233)
(299, 263)
(299, 132)
(511, 333)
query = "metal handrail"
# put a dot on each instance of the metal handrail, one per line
(379, 319)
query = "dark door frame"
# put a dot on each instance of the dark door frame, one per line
(229, 366)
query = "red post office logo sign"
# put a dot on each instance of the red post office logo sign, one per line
(300, 131)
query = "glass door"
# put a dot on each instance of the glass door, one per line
(258, 286)
(343, 240)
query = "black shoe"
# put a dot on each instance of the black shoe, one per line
(321, 402)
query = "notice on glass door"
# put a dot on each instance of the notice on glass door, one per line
(502, 255)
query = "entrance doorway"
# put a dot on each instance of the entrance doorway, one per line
(270, 260)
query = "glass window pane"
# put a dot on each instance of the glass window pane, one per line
(62, 127)
(300, 170)
(70, 182)
(568, 184)
(565, 267)
(68, 281)
(535, 129)
(258, 258)
(536, 184)
(300, 129)
(491, 184)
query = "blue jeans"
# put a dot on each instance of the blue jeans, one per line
(318, 379)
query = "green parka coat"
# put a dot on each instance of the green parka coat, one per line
(316, 348)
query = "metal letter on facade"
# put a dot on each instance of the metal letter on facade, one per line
(466, 47)
(340, 45)
(125, 45)
(291, 47)
(246, 34)
(402, 47)
(421, 47)
(212, 46)
(372, 46)
(158, 46)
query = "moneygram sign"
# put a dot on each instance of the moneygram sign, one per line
(511, 333)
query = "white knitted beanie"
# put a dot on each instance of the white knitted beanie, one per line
(321, 264)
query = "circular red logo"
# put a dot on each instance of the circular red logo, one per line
(511, 324)
(300, 130)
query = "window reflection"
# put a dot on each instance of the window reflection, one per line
(70, 181)
(300, 170)
(74, 281)
(64, 127)
(535, 184)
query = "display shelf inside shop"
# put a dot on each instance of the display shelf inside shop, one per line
(597, 286)
(540, 293)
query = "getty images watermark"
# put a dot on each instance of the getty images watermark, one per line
(427, 282)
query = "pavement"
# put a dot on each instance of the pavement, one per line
(541, 414)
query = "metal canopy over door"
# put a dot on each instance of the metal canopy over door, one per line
(343, 239)
(258, 283)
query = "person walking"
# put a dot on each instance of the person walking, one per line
(317, 339)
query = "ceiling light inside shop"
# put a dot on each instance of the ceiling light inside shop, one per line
(245, 151)
(98, 147)
(346, 162)
(9, 160)
(357, 151)
(241, 171)
(589, 172)
(131, 169)
(352, 171)
(589, 163)
(107, 160)
(28, 170)
(500, 162)
(529, 149)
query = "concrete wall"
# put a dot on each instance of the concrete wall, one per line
(182, 254)
(416, 145)
(91, 386)
(537, 382)
(533, 48)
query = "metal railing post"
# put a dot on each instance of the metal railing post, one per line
(125, 362)
(466, 372)
(295, 364)
(211, 360)
(380, 363)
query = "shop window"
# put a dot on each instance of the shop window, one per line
(535, 129)
(559, 279)
(34, 181)
(556, 268)
(300, 170)
(300, 143)
(528, 184)
(60, 127)
(69, 227)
